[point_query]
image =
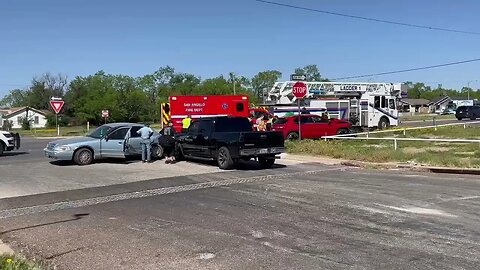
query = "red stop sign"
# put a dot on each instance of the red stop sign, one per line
(299, 90)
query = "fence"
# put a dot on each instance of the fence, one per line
(395, 140)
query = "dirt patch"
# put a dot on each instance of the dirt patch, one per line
(413, 150)
(375, 146)
(418, 150)
(465, 153)
(438, 149)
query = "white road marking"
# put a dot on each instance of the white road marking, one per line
(149, 193)
(206, 256)
(370, 209)
(420, 210)
(461, 198)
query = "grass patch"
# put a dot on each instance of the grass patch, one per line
(447, 132)
(426, 117)
(380, 152)
(18, 263)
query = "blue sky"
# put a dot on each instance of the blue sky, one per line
(212, 37)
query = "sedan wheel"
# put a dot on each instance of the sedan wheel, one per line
(83, 157)
(157, 152)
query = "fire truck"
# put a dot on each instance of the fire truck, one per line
(365, 105)
(180, 107)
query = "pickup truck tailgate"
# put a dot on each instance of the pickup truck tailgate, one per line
(262, 139)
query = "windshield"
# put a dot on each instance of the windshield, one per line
(100, 132)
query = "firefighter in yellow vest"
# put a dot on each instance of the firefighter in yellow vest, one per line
(186, 123)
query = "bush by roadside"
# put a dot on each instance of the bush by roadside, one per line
(8, 262)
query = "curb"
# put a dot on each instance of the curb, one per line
(5, 250)
(363, 164)
(454, 170)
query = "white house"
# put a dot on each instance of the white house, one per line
(37, 118)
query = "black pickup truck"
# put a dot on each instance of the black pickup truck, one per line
(228, 140)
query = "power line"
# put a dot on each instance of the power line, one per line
(408, 70)
(369, 19)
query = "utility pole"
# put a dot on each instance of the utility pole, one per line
(468, 88)
(234, 83)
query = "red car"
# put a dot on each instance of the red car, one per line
(313, 126)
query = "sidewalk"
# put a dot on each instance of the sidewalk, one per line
(386, 165)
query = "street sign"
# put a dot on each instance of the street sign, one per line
(57, 105)
(298, 77)
(299, 90)
(105, 113)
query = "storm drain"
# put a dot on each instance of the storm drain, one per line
(149, 193)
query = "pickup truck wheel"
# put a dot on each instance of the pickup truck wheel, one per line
(224, 159)
(473, 117)
(292, 136)
(459, 118)
(179, 152)
(266, 163)
(2, 148)
(83, 157)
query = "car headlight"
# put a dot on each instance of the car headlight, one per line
(62, 148)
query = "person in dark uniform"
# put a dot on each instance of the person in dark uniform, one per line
(304, 111)
(167, 141)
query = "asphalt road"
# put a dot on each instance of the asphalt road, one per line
(28, 172)
(30, 151)
(295, 216)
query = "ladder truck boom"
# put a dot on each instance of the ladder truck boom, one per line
(364, 104)
(281, 92)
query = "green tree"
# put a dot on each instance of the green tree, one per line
(215, 86)
(417, 90)
(311, 71)
(184, 84)
(15, 98)
(88, 96)
(263, 81)
(45, 87)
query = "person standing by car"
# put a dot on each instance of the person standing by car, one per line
(186, 123)
(167, 141)
(269, 123)
(146, 133)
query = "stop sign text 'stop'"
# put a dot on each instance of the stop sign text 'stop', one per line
(299, 90)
